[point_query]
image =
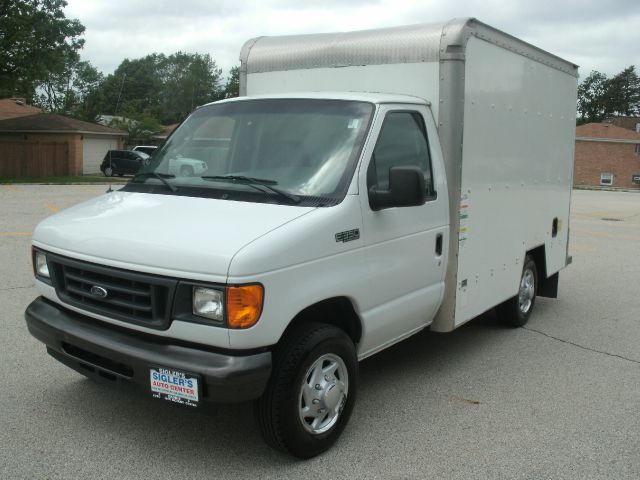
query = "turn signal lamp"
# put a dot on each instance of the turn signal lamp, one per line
(244, 305)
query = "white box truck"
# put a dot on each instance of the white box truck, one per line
(365, 186)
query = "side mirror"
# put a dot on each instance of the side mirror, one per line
(407, 188)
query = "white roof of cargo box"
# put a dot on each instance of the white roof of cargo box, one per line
(372, 97)
(429, 42)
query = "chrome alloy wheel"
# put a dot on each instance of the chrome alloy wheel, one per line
(323, 394)
(527, 291)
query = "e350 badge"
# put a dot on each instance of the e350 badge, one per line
(348, 236)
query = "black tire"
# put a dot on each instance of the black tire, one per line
(516, 311)
(279, 411)
(186, 171)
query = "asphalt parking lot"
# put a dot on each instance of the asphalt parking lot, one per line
(557, 399)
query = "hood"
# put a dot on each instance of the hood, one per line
(161, 233)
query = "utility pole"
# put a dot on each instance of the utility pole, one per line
(124, 76)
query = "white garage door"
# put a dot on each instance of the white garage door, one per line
(94, 150)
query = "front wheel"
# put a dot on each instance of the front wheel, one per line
(516, 311)
(311, 393)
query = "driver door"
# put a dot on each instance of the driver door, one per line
(405, 246)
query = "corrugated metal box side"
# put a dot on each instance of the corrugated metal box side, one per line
(515, 175)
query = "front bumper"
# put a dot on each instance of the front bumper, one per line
(94, 349)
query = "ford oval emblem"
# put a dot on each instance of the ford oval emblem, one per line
(97, 291)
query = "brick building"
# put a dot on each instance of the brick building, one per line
(607, 155)
(630, 123)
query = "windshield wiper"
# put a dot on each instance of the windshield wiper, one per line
(160, 176)
(256, 183)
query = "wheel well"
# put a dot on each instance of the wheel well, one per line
(547, 285)
(336, 311)
(539, 257)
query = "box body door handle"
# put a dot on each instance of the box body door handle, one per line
(438, 244)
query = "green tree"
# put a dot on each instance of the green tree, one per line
(623, 93)
(69, 92)
(165, 87)
(87, 79)
(232, 87)
(189, 80)
(140, 127)
(36, 40)
(134, 86)
(592, 92)
(600, 97)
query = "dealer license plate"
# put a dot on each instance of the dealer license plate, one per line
(175, 386)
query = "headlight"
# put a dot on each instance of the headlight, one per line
(208, 303)
(42, 269)
(230, 306)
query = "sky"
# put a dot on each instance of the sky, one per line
(601, 35)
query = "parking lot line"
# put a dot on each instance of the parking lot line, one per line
(51, 207)
(15, 234)
(615, 236)
(579, 247)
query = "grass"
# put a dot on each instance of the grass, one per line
(65, 179)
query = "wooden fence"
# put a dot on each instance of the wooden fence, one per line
(21, 159)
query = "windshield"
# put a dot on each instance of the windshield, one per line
(263, 150)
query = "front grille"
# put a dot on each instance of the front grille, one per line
(132, 297)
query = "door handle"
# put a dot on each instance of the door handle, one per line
(439, 244)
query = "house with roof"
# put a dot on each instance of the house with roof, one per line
(16, 107)
(47, 144)
(607, 155)
(630, 123)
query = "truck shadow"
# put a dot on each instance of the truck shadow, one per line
(427, 353)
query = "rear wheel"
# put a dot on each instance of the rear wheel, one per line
(108, 172)
(311, 393)
(516, 311)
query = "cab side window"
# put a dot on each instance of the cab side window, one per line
(402, 142)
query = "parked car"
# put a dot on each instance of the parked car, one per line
(121, 162)
(178, 166)
(148, 149)
(186, 167)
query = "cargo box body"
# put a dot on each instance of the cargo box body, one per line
(505, 112)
